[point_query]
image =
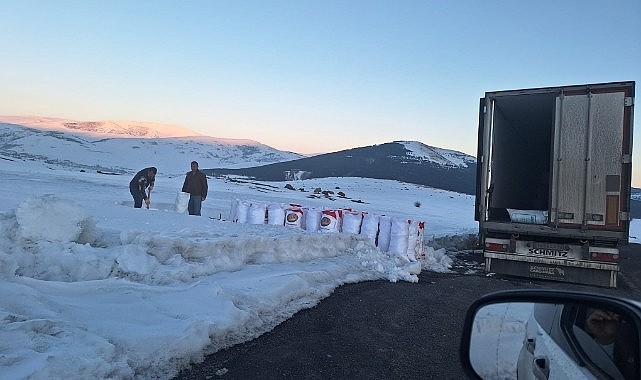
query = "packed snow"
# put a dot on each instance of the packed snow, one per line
(93, 288)
(440, 156)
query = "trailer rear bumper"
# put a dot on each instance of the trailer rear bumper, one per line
(573, 271)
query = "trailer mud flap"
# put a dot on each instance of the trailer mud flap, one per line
(605, 276)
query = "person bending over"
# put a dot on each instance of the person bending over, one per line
(138, 186)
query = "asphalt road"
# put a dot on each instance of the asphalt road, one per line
(384, 330)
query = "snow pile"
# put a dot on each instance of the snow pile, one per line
(436, 260)
(49, 219)
(143, 303)
(93, 288)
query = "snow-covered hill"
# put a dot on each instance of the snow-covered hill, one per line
(110, 147)
(440, 156)
(105, 128)
(405, 161)
(125, 147)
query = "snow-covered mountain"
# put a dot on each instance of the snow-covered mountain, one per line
(124, 147)
(406, 161)
(439, 156)
(112, 147)
(106, 128)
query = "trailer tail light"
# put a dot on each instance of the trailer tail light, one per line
(496, 247)
(604, 256)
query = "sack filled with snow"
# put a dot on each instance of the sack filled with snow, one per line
(240, 211)
(294, 217)
(412, 240)
(399, 233)
(256, 214)
(330, 221)
(51, 219)
(420, 240)
(312, 219)
(275, 214)
(384, 229)
(351, 222)
(369, 226)
(234, 209)
(182, 202)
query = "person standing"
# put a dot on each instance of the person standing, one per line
(138, 186)
(196, 185)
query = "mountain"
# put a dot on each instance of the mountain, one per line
(103, 129)
(110, 147)
(119, 147)
(406, 161)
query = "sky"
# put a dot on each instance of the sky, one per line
(306, 76)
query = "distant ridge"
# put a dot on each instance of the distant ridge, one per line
(91, 146)
(105, 128)
(125, 147)
(429, 166)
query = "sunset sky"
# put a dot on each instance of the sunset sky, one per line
(306, 76)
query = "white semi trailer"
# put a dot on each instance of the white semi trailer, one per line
(553, 181)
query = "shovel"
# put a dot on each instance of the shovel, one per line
(148, 198)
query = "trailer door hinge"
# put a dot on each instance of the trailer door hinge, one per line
(629, 101)
(626, 159)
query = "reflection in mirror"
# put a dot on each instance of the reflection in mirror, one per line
(553, 341)
(605, 337)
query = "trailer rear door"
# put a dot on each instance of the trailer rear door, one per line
(588, 159)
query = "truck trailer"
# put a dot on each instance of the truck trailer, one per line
(554, 171)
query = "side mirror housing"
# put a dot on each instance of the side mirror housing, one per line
(549, 334)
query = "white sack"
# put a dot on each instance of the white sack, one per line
(369, 226)
(241, 211)
(182, 202)
(294, 217)
(384, 229)
(412, 240)
(275, 215)
(528, 216)
(399, 233)
(256, 213)
(420, 247)
(312, 219)
(232, 210)
(351, 222)
(330, 221)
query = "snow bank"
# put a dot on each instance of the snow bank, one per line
(143, 303)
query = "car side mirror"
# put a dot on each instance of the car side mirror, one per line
(548, 334)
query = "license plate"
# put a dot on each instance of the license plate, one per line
(552, 246)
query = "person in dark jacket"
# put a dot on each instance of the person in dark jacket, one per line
(196, 185)
(138, 186)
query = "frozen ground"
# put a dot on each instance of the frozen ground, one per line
(92, 288)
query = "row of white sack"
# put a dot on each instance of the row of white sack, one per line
(391, 234)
